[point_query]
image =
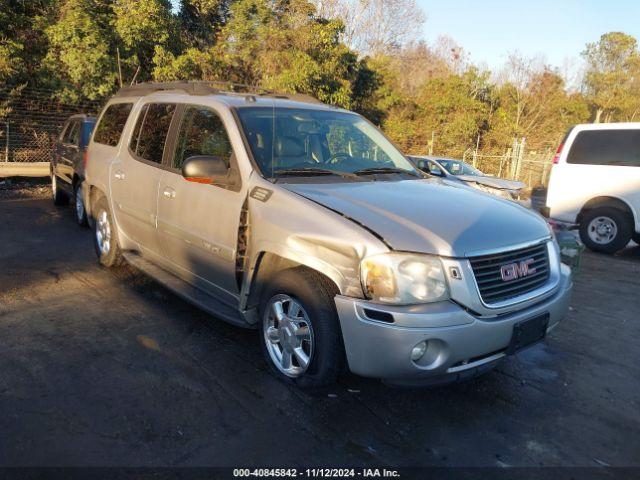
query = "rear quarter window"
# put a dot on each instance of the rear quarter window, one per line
(109, 130)
(606, 147)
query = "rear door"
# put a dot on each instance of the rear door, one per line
(135, 179)
(198, 223)
(68, 150)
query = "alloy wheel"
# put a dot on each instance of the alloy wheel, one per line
(288, 335)
(103, 232)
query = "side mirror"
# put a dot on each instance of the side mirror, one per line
(208, 169)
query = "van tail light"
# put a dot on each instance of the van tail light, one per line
(85, 158)
(556, 158)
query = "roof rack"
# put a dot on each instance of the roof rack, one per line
(210, 88)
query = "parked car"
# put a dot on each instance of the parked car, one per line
(459, 171)
(595, 184)
(279, 213)
(68, 163)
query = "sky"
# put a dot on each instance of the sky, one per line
(489, 29)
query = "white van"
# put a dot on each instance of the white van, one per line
(595, 184)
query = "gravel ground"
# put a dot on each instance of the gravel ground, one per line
(17, 188)
(102, 367)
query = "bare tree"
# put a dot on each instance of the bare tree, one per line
(376, 26)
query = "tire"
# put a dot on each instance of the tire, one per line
(636, 238)
(605, 229)
(59, 197)
(322, 345)
(78, 206)
(105, 238)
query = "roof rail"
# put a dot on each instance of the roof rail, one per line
(216, 87)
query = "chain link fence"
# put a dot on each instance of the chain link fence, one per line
(530, 167)
(31, 120)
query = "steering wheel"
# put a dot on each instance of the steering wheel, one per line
(337, 158)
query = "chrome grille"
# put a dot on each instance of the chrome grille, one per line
(487, 270)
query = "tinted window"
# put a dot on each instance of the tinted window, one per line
(606, 147)
(202, 133)
(112, 123)
(72, 133)
(151, 131)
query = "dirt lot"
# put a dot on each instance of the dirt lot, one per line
(108, 368)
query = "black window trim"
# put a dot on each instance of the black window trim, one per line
(172, 137)
(167, 141)
(99, 121)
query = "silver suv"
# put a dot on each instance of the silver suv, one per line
(302, 220)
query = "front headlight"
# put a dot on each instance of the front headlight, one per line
(403, 278)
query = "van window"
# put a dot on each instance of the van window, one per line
(606, 147)
(150, 133)
(202, 133)
(111, 124)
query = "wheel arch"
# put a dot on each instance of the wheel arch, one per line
(607, 201)
(268, 264)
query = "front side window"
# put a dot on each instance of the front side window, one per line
(150, 133)
(109, 130)
(606, 147)
(324, 141)
(201, 133)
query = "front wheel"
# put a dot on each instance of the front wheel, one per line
(300, 336)
(104, 235)
(605, 229)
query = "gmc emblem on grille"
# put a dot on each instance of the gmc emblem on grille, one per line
(516, 270)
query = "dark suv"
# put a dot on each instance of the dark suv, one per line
(69, 161)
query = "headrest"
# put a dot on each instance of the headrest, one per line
(289, 147)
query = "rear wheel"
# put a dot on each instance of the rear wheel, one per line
(605, 229)
(300, 336)
(78, 203)
(59, 197)
(105, 238)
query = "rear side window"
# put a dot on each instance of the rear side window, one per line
(150, 133)
(606, 147)
(202, 133)
(109, 130)
(72, 133)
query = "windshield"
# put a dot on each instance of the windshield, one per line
(456, 167)
(305, 141)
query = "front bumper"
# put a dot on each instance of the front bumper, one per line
(460, 345)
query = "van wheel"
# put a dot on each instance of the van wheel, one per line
(605, 229)
(300, 335)
(105, 236)
(59, 197)
(78, 204)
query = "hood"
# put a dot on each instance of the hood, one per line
(429, 216)
(492, 182)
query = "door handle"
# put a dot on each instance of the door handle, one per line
(169, 192)
(119, 175)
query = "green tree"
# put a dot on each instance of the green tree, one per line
(613, 76)
(142, 26)
(23, 43)
(80, 61)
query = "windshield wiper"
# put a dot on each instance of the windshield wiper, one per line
(311, 171)
(374, 170)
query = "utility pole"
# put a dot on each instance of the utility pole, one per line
(119, 67)
(6, 146)
(433, 135)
